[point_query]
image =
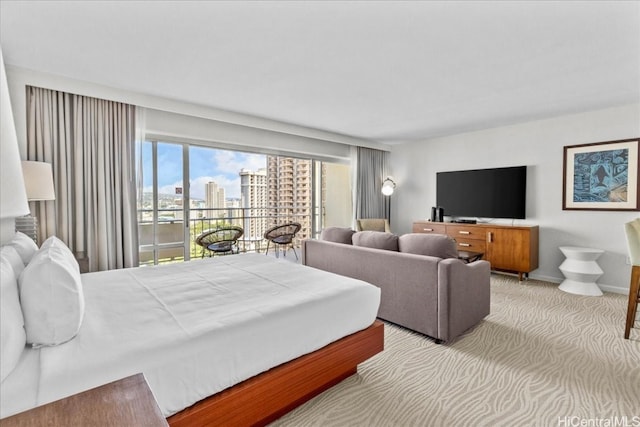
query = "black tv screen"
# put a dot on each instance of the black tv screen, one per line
(484, 193)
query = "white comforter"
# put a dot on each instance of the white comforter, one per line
(193, 328)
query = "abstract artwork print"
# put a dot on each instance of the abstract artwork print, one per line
(601, 176)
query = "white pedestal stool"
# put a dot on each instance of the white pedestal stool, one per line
(581, 270)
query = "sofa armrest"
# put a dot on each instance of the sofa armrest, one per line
(407, 282)
(464, 292)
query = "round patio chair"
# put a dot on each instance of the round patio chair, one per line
(221, 240)
(282, 235)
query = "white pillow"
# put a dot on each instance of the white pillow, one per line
(25, 246)
(12, 334)
(51, 297)
(10, 254)
(54, 242)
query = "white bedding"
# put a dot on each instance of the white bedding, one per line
(192, 328)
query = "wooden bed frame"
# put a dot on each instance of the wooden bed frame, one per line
(268, 396)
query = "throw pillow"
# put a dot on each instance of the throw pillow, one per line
(10, 254)
(12, 335)
(51, 297)
(437, 245)
(337, 235)
(54, 242)
(376, 240)
(25, 246)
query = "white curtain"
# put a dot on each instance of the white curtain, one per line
(371, 169)
(90, 144)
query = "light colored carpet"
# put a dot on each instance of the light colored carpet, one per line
(542, 356)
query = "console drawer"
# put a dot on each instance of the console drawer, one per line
(467, 233)
(429, 227)
(464, 244)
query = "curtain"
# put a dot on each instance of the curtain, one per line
(371, 169)
(90, 145)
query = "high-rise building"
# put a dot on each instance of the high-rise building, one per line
(253, 200)
(215, 199)
(234, 211)
(289, 192)
(197, 208)
(232, 203)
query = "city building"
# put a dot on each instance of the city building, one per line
(214, 198)
(253, 201)
(233, 211)
(289, 192)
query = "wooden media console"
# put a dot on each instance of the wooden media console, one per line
(508, 248)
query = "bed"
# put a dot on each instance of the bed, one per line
(210, 336)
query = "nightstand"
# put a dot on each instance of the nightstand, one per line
(126, 402)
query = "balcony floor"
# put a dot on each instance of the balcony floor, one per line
(287, 256)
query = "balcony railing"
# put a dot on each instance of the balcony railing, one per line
(168, 238)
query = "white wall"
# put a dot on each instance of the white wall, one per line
(166, 113)
(539, 145)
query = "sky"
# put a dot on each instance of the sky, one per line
(205, 164)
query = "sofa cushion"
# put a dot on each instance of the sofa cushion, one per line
(437, 245)
(376, 240)
(337, 235)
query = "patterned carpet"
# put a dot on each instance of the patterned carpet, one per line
(541, 358)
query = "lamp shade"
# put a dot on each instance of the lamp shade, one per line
(38, 180)
(388, 185)
(13, 200)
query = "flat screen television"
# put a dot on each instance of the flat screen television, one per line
(483, 193)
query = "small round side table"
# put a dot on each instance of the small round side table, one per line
(581, 270)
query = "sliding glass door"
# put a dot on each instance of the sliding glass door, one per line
(162, 215)
(185, 190)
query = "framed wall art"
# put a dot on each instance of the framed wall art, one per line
(601, 176)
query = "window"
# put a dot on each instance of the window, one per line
(184, 190)
(161, 211)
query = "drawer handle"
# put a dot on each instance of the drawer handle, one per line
(464, 232)
(466, 245)
(427, 229)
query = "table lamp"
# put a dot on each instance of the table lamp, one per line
(38, 182)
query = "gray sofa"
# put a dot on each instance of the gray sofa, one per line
(424, 286)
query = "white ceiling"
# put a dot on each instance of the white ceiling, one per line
(384, 71)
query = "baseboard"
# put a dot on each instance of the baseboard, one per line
(614, 289)
(558, 280)
(544, 278)
(531, 276)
